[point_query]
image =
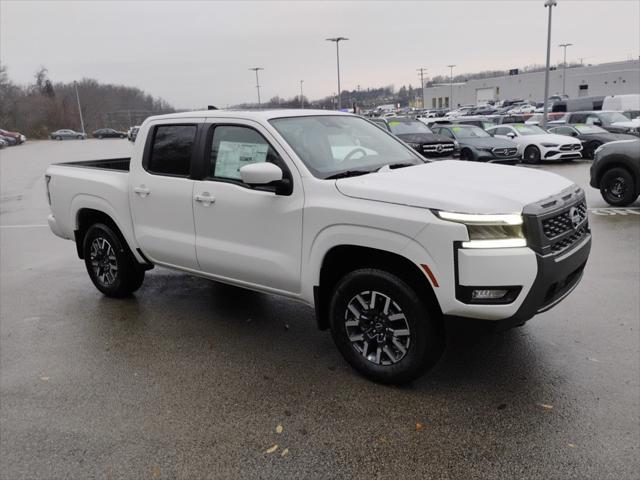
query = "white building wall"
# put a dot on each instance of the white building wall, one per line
(606, 79)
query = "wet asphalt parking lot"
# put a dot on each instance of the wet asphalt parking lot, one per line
(191, 379)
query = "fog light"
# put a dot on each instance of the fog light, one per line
(488, 294)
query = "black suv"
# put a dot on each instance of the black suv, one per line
(616, 172)
(602, 119)
(417, 135)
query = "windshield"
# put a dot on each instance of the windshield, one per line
(331, 144)
(403, 127)
(529, 130)
(586, 129)
(611, 117)
(469, 131)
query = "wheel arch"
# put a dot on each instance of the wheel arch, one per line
(341, 259)
(87, 216)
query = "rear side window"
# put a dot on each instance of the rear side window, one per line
(171, 150)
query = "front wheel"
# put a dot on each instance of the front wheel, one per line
(382, 328)
(532, 155)
(58, 137)
(109, 262)
(121, 136)
(617, 187)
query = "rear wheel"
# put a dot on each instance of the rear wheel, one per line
(100, 136)
(110, 263)
(58, 137)
(121, 136)
(617, 187)
(532, 155)
(382, 328)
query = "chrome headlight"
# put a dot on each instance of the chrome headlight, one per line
(489, 231)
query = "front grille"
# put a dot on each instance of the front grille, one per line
(570, 146)
(556, 224)
(567, 242)
(438, 149)
(561, 223)
(505, 152)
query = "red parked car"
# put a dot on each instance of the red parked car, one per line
(14, 138)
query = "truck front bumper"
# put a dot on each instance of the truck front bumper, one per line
(555, 278)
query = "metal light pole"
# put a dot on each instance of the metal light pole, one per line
(257, 69)
(301, 97)
(564, 65)
(451, 85)
(550, 4)
(337, 40)
(75, 84)
(421, 70)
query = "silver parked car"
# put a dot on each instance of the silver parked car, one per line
(66, 134)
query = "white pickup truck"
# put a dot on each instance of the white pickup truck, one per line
(328, 209)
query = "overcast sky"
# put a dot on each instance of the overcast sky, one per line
(198, 53)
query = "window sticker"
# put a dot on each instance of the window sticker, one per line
(393, 124)
(456, 129)
(234, 155)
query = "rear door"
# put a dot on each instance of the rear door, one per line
(161, 193)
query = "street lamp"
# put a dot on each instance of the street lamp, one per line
(550, 4)
(301, 97)
(337, 40)
(564, 65)
(421, 70)
(451, 85)
(257, 69)
(75, 84)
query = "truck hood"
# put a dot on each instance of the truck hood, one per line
(457, 186)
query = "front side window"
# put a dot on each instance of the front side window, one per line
(445, 132)
(502, 131)
(332, 144)
(233, 147)
(171, 150)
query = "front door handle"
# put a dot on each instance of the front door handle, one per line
(142, 190)
(205, 199)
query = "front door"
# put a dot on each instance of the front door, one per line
(250, 236)
(161, 194)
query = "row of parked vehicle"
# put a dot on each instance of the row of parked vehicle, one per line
(615, 171)
(8, 138)
(68, 134)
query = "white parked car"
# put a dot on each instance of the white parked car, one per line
(330, 210)
(522, 109)
(537, 144)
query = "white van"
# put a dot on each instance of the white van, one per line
(623, 103)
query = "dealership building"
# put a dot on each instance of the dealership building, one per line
(613, 78)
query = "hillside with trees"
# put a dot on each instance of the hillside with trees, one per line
(45, 106)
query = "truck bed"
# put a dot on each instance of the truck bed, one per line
(121, 164)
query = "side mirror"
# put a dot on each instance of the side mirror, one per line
(574, 134)
(597, 123)
(511, 135)
(264, 173)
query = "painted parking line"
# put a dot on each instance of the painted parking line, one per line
(615, 211)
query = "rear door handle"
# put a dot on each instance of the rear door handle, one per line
(142, 190)
(205, 199)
